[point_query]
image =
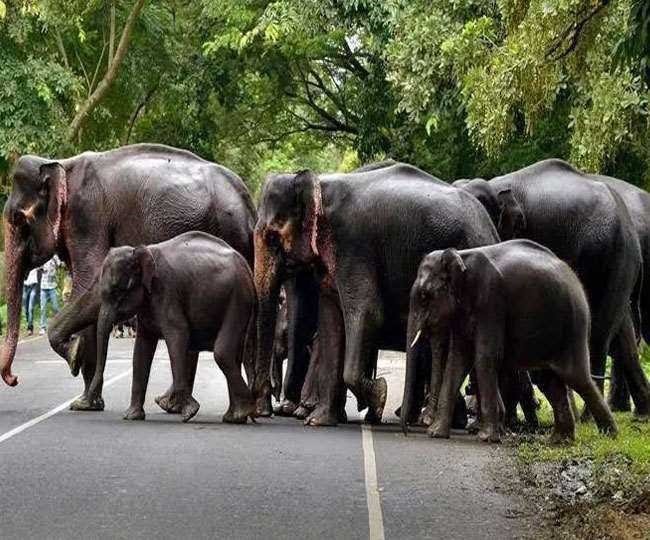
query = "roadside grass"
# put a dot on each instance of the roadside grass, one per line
(632, 442)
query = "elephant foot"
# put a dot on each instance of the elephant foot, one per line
(438, 431)
(343, 416)
(74, 358)
(489, 434)
(286, 408)
(167, 403)
(189, 409)
(263, 406)
(134, 413)
(377, 401)
(561, 437)
(322, 416)
(473, 426)
(302, 412)
(85, 404)
(240, 413)
(640, 417)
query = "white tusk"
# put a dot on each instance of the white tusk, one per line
(415, 339)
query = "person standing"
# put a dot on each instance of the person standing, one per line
(48, 290)
(30, 286)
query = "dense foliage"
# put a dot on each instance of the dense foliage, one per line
(458, 87)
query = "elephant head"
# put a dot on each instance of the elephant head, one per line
(33, 221)
(503, 207)
(124, 283)
(284, 239)
(435, 297)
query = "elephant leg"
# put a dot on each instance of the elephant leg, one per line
(166, 401)
(229, 354)
(143, 353)
(363, 315)
(635, 377)
(508, 386)
(557, 394)
(302, 314)
(331, 343)
(619, 394)
(177, 340)
(85, 347)
(309, 391)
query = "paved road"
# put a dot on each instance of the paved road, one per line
(93, 475)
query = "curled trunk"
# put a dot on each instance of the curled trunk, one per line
(13, 286)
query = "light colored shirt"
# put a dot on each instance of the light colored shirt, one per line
(48, 279)
(32, 277)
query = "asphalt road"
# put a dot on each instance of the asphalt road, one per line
(68, 474)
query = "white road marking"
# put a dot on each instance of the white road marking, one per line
(375, 518)
(54, 411)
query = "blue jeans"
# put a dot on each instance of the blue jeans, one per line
(48, 295)
(29, 300)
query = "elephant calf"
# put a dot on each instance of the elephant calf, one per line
(499, 308)
(195, 292)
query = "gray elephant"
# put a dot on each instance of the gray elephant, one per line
(585, 223)
(509, 306)
(364, 234)
(195, 292)
(82, 206)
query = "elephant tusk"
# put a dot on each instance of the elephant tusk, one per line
(415, 339)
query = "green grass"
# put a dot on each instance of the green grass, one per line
(633, 441)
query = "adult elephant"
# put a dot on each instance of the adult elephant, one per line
(586, 223)
(364, 233)
(637, 202)
(82, 206)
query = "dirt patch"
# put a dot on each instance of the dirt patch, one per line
(580, 499)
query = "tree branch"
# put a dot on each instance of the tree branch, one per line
(59, 44)
(573, 33)
(136, 113)
(111, 74)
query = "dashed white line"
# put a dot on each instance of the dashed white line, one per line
(57, 409)
(375, 518)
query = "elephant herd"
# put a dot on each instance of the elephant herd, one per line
(532, 277)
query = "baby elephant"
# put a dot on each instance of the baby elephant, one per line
(506, 306)
(195, 292)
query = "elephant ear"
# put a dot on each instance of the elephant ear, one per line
(454, 267)
(53, 187)
(144, 258)
(512, 221)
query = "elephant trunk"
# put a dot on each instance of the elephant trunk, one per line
(267, 283)
(14, 270)
(73, 318)
(105, 323)
(414, 340)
